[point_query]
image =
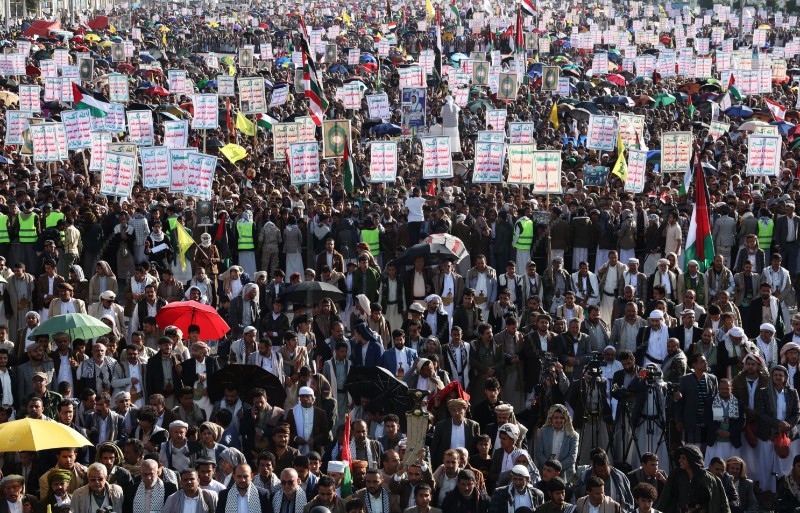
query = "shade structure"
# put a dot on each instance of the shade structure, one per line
(183, 314)
(75, 324)
(38, 435)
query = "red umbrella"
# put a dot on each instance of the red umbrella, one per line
(33, 71)
(158, 91)
(182, 314)
(125, 67)
(617, 79)
(77, 39)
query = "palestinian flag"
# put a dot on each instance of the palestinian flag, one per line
(266, 121)
(732, 88)
(84, 100)
(687, 181)
(352, 180)
(520, 34)
(691, 108)
(347, 458)
(318, 104)
(699, 245)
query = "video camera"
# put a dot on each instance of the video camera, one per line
(594, 367)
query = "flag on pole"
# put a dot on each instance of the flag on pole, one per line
(621, 167)
(778, 111)
(687, 180)
(185, 242)
(732, 88)
(228, 119)
(528, 8)
(437, 64)
(456, 13)
(266, 121)
(520, 36)
(388, 11)
(699, 245)
(313, 89)
(554, 116)
(352, 180)
(84, 100)
(429, 9)
(245, 125)
(347, 458)
(691, 108)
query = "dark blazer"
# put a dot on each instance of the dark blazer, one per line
(741, 257)
(130, 493)
(408, 285)
(374, 353)
(680, 333)
(403, 488)
(503, 500)
(735, 426)
(236, 314)
(686, 408)
(531, 356)
(189, 370)
(154, 377)
(401, 295)
(782, 230)
(767, 423)
(263, 498)
(441, 439)
(42, 287)
(26, 497)
(320, 430)
(338, 262)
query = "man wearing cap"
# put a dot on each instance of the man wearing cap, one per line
(65, 303)
(21, 343)
(695, 281)
(519, 494)
(179, 453)
(634, 278)
(13, 486)
(22, 296)
(731, 353)
(57, 492)
(482, 279)
(309, 430)
(108, 306)
(786, 236)
(50, 399)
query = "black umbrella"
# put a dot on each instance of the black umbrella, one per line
(214, 143)
(380, 386)
(245, 378)
(311, 293)
(435, 249)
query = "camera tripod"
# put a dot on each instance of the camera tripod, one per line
(593, 412)
(644, 434)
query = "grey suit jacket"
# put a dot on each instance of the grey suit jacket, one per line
(618, 330)
(724, 231)
(568, 454)
(82, 502)
(25, 378)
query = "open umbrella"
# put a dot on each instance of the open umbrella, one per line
(751, 126)
(182, 314)
(9, 97)
(311, 292)
(477, 104)
(386, 129)
(664, 99)
(739, 111)
(38, 435)
(75, 324)
(435, 249)
(245, 378)
(380, 386)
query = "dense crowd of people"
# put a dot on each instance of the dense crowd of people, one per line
(572, 356)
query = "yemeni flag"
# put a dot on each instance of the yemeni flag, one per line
(313, 89)
(84, 100)
(266, 121)
(699, 245)
(438, 48)
(528, 7)
(347, 458)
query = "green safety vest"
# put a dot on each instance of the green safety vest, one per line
(4, 238)
(373, 239)
(245, 236)
(525, 239)
(765, 234)
(52, 219)
(27, 229)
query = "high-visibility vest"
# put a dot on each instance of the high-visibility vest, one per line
(525, 239)
(4, 229)
(245, 236)
(765, 234)
(373, 239)
(27, 229)
(52, 219)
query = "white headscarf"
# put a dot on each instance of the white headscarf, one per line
(247, 217)
(441, 306)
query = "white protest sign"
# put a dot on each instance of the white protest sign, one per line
(16, 124)
(179, 168)
(437, 161)
(717, 129)
(140, 127)
(119, 170)
(546, 172)
(278, 97)
(177, 82)
(520, 163)
(383, 161)
(676, 151)
(49, 142)
(226, 85)
(115, 120)
(78, 126)
(200, 176)
(29, 98)
(206, 111)
(378, 106)
(637, 165)
(488, 162)
(496, 119)
(763, 155)
(176, 133)
(251, 95)
(351, 96)
(304, 162)
(118, 90)
(522, 133)
(631, 130)
(602, 133)
(155, 167)
(100, 141)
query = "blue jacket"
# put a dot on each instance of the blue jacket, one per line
(374, 353)
(389, 359)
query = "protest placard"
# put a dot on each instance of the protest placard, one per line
(200, 176)
(304, 162)
(176, 133)
(140, 127)
(383, 161)
(78, 127)
(488, 162)
(251, 95)
(206, 111)
(602, 133)
(155, 167)
(100, 141)
(520, 163)
(676, 151)
(637, 165)
(119, 171)
(763, 155)
(436, 161)
(378, 106)
(546, 172)
(179, 168)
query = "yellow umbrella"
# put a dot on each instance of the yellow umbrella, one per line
(91, 37)
(38, 435)
(104, 44)
(163, 28)
(213, 24)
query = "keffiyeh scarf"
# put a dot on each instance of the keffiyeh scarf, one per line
(156, 499)
(717, 406)
(299, 502)
(370, 458)
(384, 501)
(232, 503)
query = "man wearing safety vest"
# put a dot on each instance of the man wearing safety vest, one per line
(5, 234)
(52, 215)
(766, 228)
(29, 229)
(371, 235)
(245, 243)
(523, 239)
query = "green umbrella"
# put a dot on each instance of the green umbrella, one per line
(664, 99)
(477, 104)
(76, 325)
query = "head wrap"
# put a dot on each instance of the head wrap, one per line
(59, 476)
(78, 270)
(247, 288)
(215, 429)
(434, 297)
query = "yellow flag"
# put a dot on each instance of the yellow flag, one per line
(245, 125)
(554, 116)
(429, 8)
(233, 152)
(346, 17)
(164, 38)
(112, 28)
(185, 242)
(621, 167)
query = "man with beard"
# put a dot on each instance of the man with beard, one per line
(764, 309)
(290, 498)
(691, 481)
(57, 493)
(191, 497)
(466, 498)
(149, 493)
(37, 363)
(557, 489)
(376, 496)
(675, 363)
(266, 477)
(695, 389)
(621, 390)
(625, 329)
(519, 494)
(244, 497)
